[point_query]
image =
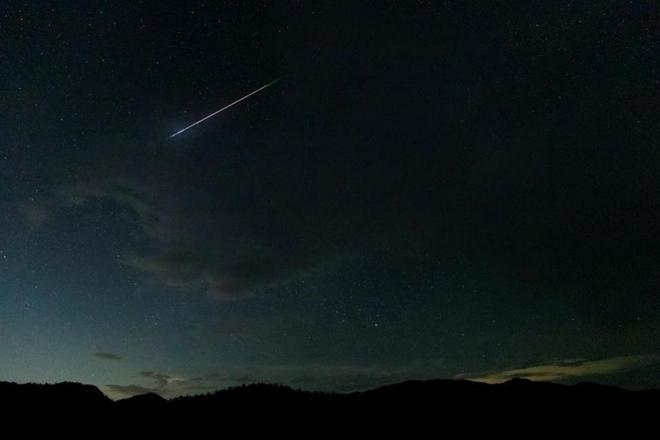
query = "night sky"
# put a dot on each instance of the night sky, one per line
(447, 189)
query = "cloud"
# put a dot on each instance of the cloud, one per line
(107, 356)
(330, 377)
(203, 236)
(231, 279)
(34, 213)
(163, 380)
(567, 369)
(123, 391)
(161, 383)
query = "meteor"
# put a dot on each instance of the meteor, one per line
(224, 108)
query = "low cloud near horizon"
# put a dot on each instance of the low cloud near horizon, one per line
(313, 377)
(566, 369)
(348, 378)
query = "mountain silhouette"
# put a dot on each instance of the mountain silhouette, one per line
(62, 396)
(142, 401)
(450, 402)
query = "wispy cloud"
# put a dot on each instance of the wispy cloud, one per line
(123, 391)
(163, 384)
(347, 377)
(164, 380)
(200, 243)
(567, 369)
(107, 356)
(34, 213)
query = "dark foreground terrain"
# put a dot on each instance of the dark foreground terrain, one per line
(470, 405)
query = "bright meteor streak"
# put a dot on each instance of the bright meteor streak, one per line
(224, 108)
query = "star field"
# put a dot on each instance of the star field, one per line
(432, 189)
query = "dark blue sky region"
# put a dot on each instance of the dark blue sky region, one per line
(433, 189)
